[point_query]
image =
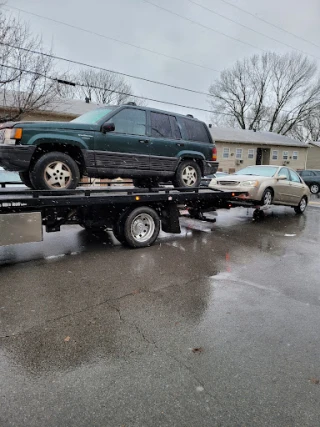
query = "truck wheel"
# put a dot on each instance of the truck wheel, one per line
(188, 174)
(55, 171)
(141, 227)
(314, 188)
(25, 178)
(302, 206)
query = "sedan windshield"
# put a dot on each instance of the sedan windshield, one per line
(258, 170)
(93, 117)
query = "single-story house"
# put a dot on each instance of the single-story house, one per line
(61, 110)
(238, 148)
(313, 160)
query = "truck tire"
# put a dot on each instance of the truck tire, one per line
(141, 227)
(55, 171)
(188, 174)
(25, 178)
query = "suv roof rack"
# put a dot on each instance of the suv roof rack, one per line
(131, 103)
(190, 115)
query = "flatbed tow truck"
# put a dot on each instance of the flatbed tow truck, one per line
(135, 215)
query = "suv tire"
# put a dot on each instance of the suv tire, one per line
(188, 174)
(55, 171)
(25, 178)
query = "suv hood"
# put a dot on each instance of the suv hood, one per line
(51, 125)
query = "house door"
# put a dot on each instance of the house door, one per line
(263, 156)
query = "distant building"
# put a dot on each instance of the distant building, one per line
(238, 148)
(61, 110)
(313, 160)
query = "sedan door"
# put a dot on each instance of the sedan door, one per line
(283, 186)
(297, 188)
(124, 151)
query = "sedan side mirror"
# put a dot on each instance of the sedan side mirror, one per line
(107, 127)
(282, 177)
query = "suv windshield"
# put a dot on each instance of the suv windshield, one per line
(258, 170)
(93, 117)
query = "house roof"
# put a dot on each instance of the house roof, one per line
(243, 136)
(315, 143)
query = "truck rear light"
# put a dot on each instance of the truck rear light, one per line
(214, 154)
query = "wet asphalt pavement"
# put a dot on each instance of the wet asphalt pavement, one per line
(206, 328)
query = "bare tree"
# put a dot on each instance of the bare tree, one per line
(309, 129)
(270, 92)
(103, 87)
(26, 83)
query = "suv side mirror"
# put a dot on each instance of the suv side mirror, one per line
(107, 127)
(282, 177)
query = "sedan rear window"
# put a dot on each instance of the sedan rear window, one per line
(258, 170)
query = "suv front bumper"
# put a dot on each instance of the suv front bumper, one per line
(210, 168)
(16, 157)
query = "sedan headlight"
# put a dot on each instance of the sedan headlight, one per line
(249, 183)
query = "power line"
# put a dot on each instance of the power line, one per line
(66, 24)
(203, 26)
(21, 70)
(251, 29)
(59, 58)
(105, 69)
(270, 23)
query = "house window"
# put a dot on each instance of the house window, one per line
(295, 155)
(250, 153)
(225, 153)
(285, 155)
(274, 154)
(239, 153)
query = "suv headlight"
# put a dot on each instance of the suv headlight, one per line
(249, 183)
(11, 135)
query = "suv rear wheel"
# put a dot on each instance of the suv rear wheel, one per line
(188, 174)
(55, 171)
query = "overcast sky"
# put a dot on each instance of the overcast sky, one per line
(144, 25)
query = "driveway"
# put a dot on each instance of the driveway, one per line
(207, 328)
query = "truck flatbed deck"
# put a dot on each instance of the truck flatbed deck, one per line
(135, 215)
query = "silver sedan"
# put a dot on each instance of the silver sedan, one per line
(267, 185)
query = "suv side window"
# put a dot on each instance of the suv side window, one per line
(160, 125)
(175, 128)
(294, 177)
(195, 130)
(284, 171)
(130, 121)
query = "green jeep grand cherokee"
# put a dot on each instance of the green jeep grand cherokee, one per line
(145, 144)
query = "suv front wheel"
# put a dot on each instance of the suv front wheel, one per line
(55, 171)
(188, 174)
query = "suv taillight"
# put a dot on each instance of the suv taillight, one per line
(214, 154)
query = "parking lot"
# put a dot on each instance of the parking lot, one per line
(217, 326)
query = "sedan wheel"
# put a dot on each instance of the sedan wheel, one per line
(314, 188)
(301, 206)
(267, 198)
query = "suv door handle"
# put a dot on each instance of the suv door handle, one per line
(179, 144)
(144, 141)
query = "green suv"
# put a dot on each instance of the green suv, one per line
(145, 144)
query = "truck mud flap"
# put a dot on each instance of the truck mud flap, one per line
(170, 219)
